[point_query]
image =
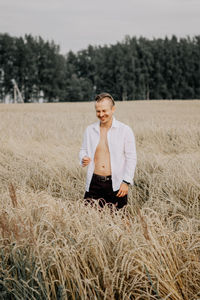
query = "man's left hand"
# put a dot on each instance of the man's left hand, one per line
(123, 190)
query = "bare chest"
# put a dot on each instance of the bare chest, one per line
(102, 156)
(103, 142)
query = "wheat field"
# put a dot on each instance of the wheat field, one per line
(52, 246)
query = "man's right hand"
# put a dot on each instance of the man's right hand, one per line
(85, 161)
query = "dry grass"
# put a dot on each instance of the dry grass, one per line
(54, 247)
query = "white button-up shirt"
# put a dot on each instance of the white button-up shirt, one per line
(121, 144)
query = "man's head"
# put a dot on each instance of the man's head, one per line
(103, 96)
(105, 107)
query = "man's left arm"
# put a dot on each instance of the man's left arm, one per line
(130, 162)
(130, 156)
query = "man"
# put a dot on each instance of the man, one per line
(109, 151)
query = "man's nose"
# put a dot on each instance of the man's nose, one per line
(101, 114)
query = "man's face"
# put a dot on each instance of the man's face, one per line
(104, 110)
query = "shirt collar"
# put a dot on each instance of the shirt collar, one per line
(114, 123)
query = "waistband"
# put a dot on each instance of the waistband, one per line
(102, 178)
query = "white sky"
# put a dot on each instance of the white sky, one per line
(74, 24)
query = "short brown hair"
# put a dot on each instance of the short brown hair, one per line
(101, 96)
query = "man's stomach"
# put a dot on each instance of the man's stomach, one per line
(102, 168)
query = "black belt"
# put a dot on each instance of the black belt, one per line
(102, 178)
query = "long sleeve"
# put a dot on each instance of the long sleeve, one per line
(130, 156)
(83, 151)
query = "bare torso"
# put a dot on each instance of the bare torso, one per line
(102, 155)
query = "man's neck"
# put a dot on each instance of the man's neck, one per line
(106, 125)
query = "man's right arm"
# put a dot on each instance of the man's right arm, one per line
(83, 154)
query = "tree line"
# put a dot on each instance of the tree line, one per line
(136, 68)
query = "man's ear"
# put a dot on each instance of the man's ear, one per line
(113, 108)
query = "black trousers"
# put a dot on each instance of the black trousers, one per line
(101, 189)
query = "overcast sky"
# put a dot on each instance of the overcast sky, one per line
(74, 24)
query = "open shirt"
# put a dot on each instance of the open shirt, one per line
(121, 144)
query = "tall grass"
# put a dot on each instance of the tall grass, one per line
(52, 246)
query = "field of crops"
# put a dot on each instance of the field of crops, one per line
(52, 246)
